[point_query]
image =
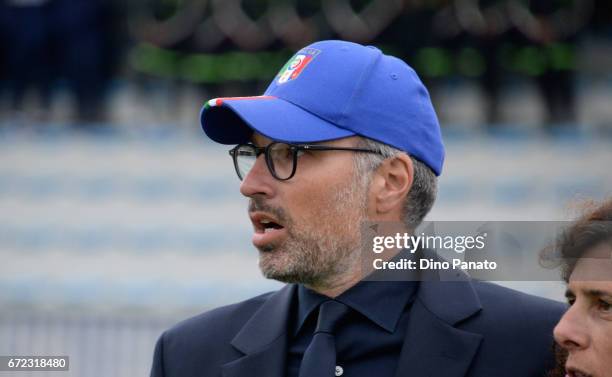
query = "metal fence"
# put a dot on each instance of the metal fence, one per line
(98, 345)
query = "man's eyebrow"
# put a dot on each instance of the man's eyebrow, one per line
(597, 293)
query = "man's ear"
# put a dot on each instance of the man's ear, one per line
(390, 185)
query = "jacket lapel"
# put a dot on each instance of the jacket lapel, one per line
(263, 339)
(433, 346)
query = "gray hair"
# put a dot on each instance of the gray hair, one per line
(422, 194)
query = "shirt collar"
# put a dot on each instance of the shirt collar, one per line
(382, 302)
(308, 301)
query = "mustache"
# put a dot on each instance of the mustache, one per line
(258, 204)
(561, 355)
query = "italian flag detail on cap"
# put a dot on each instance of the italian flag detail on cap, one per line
(216, 102)
(296, 64)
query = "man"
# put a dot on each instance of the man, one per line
(345, 134)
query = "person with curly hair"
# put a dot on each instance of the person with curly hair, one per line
(584, 333)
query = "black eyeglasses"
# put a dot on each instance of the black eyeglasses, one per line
(281, 158)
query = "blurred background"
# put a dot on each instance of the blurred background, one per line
(118, 217)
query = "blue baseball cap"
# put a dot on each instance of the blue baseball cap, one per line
(331, 90)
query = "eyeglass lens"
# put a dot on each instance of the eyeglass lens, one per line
(280, 160)
(245, 159)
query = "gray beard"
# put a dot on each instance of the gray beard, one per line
(309, 261)
(316, 256)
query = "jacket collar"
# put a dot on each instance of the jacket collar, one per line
(268, 323)
(263, 339)
(432, 346)
(450, 301)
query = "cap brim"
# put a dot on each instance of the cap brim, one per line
(233, 120)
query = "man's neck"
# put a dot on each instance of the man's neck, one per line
(337, 287)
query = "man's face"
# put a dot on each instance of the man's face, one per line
(307, 228)
(585, 331)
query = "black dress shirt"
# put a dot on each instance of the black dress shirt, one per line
(369, 340)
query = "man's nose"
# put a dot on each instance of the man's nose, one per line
(258, 181)
(571, 332)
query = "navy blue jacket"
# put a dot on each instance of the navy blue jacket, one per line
(456, 329)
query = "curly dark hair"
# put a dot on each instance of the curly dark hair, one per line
(593, 228)
(589, 231)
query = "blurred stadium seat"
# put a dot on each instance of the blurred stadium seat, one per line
(116, 213)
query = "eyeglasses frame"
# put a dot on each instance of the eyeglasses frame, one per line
(295, 148)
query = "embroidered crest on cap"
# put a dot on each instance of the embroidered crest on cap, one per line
(296, 65)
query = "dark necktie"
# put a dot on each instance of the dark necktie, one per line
(320, 356)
